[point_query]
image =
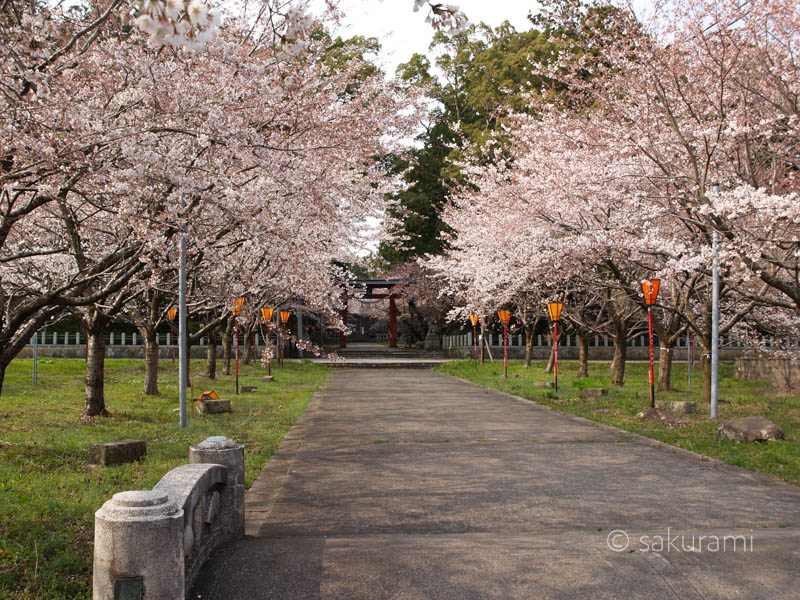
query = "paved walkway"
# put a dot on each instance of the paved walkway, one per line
(413, 485)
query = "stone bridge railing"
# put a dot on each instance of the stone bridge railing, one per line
(151, 544)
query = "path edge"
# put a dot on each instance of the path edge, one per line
(261, 496)
(715, 463)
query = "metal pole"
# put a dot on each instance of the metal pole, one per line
(183, 359)
(36, 358)
(555, 354)
(715, 318)
(652, 375)
(236, 345)
(505, 351)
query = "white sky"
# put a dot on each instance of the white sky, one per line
(402, 32)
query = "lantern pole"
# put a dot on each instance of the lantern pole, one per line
(555, 355)
(475, 341)
(236, 346)
(652, 377)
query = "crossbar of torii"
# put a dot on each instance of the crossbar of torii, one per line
(373, 289)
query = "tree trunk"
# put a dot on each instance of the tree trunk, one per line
(248, 344)
(665, 369)
(95, 364)
(227, 343)
(150, 340)
(2, 375)
(706, 362)
(618, 365)
(583, 355)
(528, 345)
(211, 355)
(551, 361)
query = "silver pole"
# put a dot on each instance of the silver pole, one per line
(715, 319)
(36, 358)
(183, 360)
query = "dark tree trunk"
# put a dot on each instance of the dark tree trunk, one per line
(528, 345)
(665, 369)
(551, 359)
(2, 375)
(211, 355)
(150, 340)
(227, 344)
(583, 355)
(248, 344)
(95, 364)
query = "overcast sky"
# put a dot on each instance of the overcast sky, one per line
(402, 32)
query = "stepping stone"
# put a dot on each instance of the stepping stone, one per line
(594, 392)
(677, 407)
(268, 378)
(248, 389)
(750, 429)
(117, 453)
(543, 384)
(214, 407)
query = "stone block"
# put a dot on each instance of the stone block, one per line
(268, 378)
(117, 453)
(222, 451)
(677, 407)
(594, 392)
(543, 384)
(138, 539)
(214, 407)
(750, 429)
(248, 389)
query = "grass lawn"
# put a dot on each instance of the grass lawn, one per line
(780, 459)
(49, 492)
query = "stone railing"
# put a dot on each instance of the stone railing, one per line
(151, 544)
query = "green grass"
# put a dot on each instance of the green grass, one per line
(780, 459)
(49, 493)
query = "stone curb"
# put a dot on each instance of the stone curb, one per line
(262, 493)
(713, 462)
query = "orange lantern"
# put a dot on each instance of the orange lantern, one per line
(473, 318)
(650, 290)
(172, 313)
(285, 314)
(554, 309)
(267, 314)
(505, 317)
(238, 307)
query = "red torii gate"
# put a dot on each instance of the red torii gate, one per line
(370, 286)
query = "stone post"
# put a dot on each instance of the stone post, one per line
(138, 547)
(220, 450)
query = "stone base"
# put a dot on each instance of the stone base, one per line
(117, 453)
(594, 392)
(750, 429)
(248, 389)
(268, 378)
(677, 408)
(213, 407)
(543, 384)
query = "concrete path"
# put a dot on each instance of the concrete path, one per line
(414, 485)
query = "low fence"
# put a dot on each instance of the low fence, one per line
(152, 543)
(72, 344)
(600, 347)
